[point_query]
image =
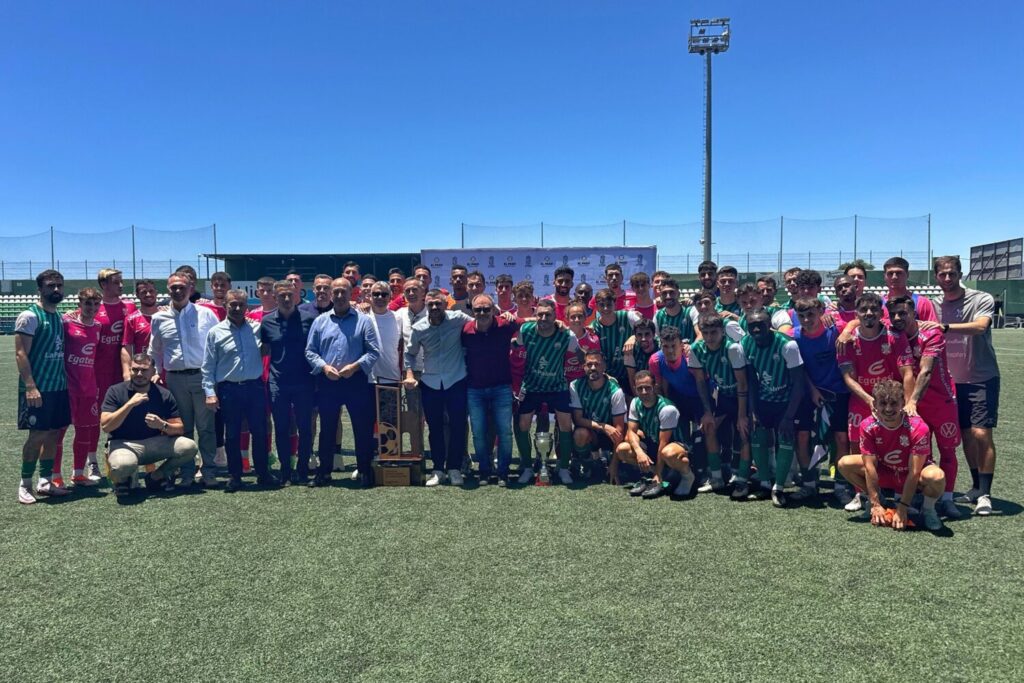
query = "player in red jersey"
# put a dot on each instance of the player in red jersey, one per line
(81, 343)
(220, 283)
(564, 277)
(135, 338)
(895, 453)
(613, 281)
(576, 313)
(268, 304)
(639, 299)
(110, 316)
(934, 395)
(896, 272)
(503, 285)
(874, 355)
(846, 300)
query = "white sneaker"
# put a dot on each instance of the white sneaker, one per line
(856, 504)
(931, 519)
(527, 476)
(685, 485)
(45, 487)
(220, 459)
(92, 472)
(969, 497)
(314, 463)
(983, 506)
(25, 496)
(564, 476)
(355, 475)
(705, 487)
(455, 477)
(436, 478)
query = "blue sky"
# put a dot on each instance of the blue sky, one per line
(382, 126)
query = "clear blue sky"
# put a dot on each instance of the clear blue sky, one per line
(380, 126)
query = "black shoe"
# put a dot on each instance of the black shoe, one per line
(639, 488)
(366, 480)
(761, 493)
(268, 481)
(320, 480)
(740, 491)
(655, 490)
(234, 484)
(158, 485)
(123, 490)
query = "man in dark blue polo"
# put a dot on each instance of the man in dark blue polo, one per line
(233, 382)
(283, 334)
(342, 350)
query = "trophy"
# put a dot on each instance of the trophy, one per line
(542, 442)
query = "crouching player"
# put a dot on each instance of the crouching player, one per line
(895, 453)
(653, 440)
(598, 409)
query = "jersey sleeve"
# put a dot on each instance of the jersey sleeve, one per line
(618, 403)
(633, 317)
(628, 359)
(668, 418)
(934, 346)
(867, 438)
(693, 362)
(925, 310)
(691, 311)
(845, 355)
(634, 415)
(791, 354)
(127, 335)
(780, 318)
(26, 323)
(904, 357)
(921, 439)
(574, 397)
(733, 330)
(737, 357)
(986, 306)
(654, 368)
(574, 344)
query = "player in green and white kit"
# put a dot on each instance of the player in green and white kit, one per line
(546, 345)
(654, 440)
(598, 409)
(723, 361)
(43, 407)
(613, 328)
(778, 380)
(674, 314)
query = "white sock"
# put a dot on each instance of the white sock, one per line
(929, 503)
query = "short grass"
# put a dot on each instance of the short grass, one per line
(534, 584)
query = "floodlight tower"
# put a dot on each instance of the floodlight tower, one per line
(708, 37)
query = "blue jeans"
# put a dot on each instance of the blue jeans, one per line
(495, 402)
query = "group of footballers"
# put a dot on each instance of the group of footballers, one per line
(726, 391)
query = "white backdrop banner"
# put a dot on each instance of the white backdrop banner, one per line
(538, 264)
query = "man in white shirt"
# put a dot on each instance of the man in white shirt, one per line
(386, 370)
(177, 345)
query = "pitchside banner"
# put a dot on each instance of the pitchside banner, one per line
(538, 264)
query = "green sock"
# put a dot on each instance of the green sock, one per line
(759, 447)
(714, 462)
(28, 468)
(743, 472)
(582, 452)
(564, 449)
(525, 449)
(783, 461)
(45, 468)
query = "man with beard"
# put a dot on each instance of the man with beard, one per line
(321, 302)
(598, 409)
(111, 317)
(564, 276)
(459, 299)
(613, 281)
(846, 299)
(81, 337)
(673, 314)
(137, 326)
(43, 407)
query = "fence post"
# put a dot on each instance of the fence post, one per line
(854, 238)
(840, 257)
(781, 229)
(463, 233)
(748, 264)
(169, 267)
(87, 267)
(542, 233)
(3, 273)
(30, 267)
(134, 276)
(928, 265)
(623, 232)
(142, 263)
(808, 260)
(687, 263)
(51, 247)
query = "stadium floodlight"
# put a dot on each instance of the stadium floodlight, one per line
(708, 37)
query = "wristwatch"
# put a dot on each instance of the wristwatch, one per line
(945, 328)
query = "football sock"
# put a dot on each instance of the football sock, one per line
(743, 473)
(759, 447)
(45, 468)
(974, 478)
(564, 448)
(947, 461)
(783, 461)
(715, 462)
(525, 449)
(929, 503)
(28, 467)
(984, 482)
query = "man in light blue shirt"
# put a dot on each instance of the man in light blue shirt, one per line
(342, 350)
(233, 382)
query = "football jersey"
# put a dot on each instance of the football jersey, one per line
(613, 337)
(220, 311)
(136, 331)
(560, 308)
(818, 352)
(893, 448)
(46, 357)
(81, 342)
(600, 405)
(685, 321)
(923, 308)
(588, 342)
(545, 357)
(638, 358)
(734, 307)
(257, 315)
(720, 364)
(661, 417)
(108, 356)
(678, 376)
(878, 359)
(771, 365)
(932, 344)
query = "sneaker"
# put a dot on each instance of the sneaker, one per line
(123, 490)
(931, 518)
(502, 482)
(843, 496)
(220, 459)
(46, 487)
(355, 475)
(58, 481)
(83, 480)
(163, 484)
(436, 478)
(778, 498)
(717, 484)
(564, 476)
(761, 493)
(856, 504)
(455, 477)
(685, 485)
(526, 476)
(740, 491)
(25, 496)
(92, 471)
(984, 505)
(971, 497)
(948, 509)
(639, 488)
(314, 463)
(706, 487)
(654, 490)
(804, 493)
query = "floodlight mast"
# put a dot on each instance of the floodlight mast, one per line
(707, 37)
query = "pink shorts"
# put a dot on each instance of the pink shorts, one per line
(858, 413)
(85, 410)
(942, 419)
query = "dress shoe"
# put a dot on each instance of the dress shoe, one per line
(268, 481)
(320, 480)
(234, 484)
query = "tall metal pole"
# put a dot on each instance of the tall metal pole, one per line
(214, 251)
(707, 155)
(134, 276)
(781, 227)
(854, 237)
(928, 257)
(463, 235)
(623, 232)
(51, 247)
(542, 233)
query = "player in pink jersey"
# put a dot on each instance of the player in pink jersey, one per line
(874, 355)
(111, 317)
(934, 395)
(564, 277)
(135, 338)
(896, 271)
(639, 299)
(846, 300)
(81, 343)
(895, 453)
(576, 313)
(220, 283)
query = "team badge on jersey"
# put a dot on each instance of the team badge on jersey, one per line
(886, 348)
(904, 440)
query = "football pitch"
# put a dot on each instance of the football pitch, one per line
(544, 584)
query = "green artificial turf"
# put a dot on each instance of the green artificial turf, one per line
(548, 584)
